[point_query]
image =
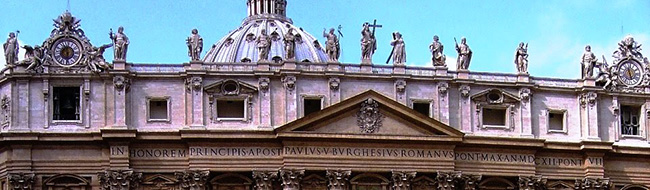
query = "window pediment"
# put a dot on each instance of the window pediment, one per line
(230, 87)
(495, 96)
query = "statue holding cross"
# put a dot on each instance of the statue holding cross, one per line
(368, 41)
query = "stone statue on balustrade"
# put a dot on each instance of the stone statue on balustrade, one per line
(332, 47)
(195, 45)
(263, 46)
(290, 45)
(438, 58)
(399, 49)
(11, 51)
(120, 43)
(464, 54)
(588, 61)
(368, 43)
(521, 58)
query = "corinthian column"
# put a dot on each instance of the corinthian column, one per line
(21, 181)
(291, 179)
(192, 180)
(402, 180)
(338, 179)
(264, 179)
(447, 180)
(119, 179)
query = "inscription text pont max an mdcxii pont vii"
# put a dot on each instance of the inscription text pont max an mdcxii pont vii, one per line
(353, 152)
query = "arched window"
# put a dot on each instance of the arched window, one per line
(67, 182)
(231, 181)
(634, 187)
(369, 181)
(496, 183)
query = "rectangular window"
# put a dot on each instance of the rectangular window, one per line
(494, 116)
(422, 107)
(556, 120)
(630, 117)
(231, 109)
(158, 109)
(66, 103)
(311, 105)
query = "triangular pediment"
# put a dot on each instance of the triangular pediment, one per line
(369, 115)
(230, 87)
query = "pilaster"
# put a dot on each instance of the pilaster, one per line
(400, 91)
(589, 115)
(338, 179)
(402, 180)
(525, 112)
(291, 112)
(119, 155)
(441, 112)
(194, 85)
(465, 109)
(121, 86)
(335, 92)
(594, 164)
(265, 101)
(22, 106)
(291, 179)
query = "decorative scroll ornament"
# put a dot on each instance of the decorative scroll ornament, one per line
(470, 182)
(334, 83)
(592, 184)
(21, 181)
(121, 83)
(289, 82)
(369, 119)
(338, 179)
(264, 179)
(291, 178)
(525, 94)
(442, 88)
(400, 85)
(402, 180)
(532, 183)
(447, 180)
(192, 180)
(119, 179)
(629, 72)
(588, 98)
(264, 84)
(464, 91)
(194, 82)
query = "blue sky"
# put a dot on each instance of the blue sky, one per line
(556, 30)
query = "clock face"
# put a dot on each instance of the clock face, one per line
(67, 52)
(630, 73)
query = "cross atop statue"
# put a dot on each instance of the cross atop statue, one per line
(374, 25)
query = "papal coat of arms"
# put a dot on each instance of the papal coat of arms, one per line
(368, 118)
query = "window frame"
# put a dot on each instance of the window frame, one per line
(245, 98)
(508, 114)
(565, 116)
(419, 101)
(82, 95)
(158, 98)
(310, 97)
(642, 120)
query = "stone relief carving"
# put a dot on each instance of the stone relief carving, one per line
(95, 59)
(470, 182)
(629, 73)
(525, 94)
(194, 82)
(438, 58)
(195, 45)
(464, 91)
(447, 180)
(402, 180)
(334, 83)
(532, 183)
(119, 179)
(120, 43)
(192, 180)
(264, 179)
(442, 88)
(464, 54)
(264, 84)
(338, 179)
(291, 178)
(369, 119)
(592, 184)
(5, 104)
(521, 58)
(289, 82)
(399, 49)
(121, 83)
(588, 98)
(21, 181)
(332, 47)
(400, 85)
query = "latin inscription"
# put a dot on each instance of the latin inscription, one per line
(495, 157)
(367, 152)
(235, 151)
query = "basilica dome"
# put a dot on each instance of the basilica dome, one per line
(240, 44)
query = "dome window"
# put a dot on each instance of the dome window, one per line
(305, 61)
(245, 60)
(317, 45)
(298, 38)
(276, 59)
(229, 42)
(275, 36)
(250, 37)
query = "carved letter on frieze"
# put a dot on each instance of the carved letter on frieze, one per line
(369, 119)
(338, 179)
(447, 180)
(119, 179)
(21, 181)
(264, 179)
(532, 183)
(264, 84)
(592, 184)
(193, 83)
(289, 82)
(334, 83)
(470, 182)
(192, 180)
(121, 83)
(588, 98)
(464, 91)
(525, 94)
(400, 85)
(291, 178)
(442, 88)
(402, 180)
